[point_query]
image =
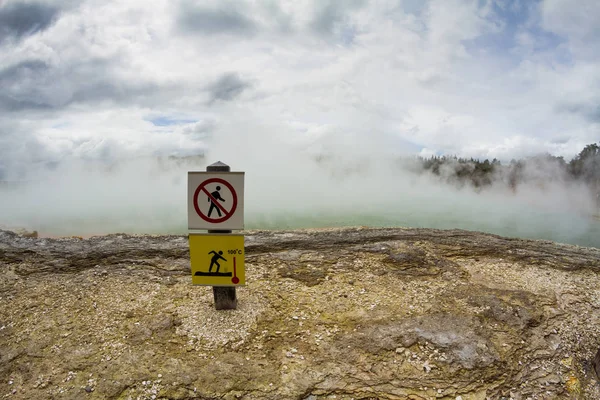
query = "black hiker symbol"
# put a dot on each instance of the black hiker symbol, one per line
(216, 196)
(215, 260)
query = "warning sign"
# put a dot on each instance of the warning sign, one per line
(217, 260)
(216, 200)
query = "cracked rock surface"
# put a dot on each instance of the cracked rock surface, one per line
(353, 313)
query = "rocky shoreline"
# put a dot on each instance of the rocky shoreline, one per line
(331, 313)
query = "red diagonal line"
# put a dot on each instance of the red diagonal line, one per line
(215, 201)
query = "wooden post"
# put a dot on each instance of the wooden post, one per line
(225, 297)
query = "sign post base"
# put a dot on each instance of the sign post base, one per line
(225, 298)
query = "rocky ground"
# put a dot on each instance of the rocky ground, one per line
(326, 314)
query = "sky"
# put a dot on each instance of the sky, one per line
(104, 80)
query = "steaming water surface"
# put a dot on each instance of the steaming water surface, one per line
(524, 223)
(573, 229)
(89, 202)
(555, 227)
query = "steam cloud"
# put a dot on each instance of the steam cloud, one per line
(295, 181)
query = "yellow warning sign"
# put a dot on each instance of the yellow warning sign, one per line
(217, 260)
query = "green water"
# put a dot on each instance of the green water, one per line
(560, 227)
(572, 229)
(55, 210)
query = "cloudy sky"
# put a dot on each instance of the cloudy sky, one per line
(105, 79)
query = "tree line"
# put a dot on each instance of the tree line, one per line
(539, 170)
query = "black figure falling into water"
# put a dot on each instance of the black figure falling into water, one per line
(213, 205)
(215, 260)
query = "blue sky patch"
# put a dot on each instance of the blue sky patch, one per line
(515, 17)
(170, 121)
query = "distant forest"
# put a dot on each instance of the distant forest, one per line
(539, 170)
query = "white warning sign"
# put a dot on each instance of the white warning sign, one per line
(216, 200)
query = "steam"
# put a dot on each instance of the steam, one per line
(295, 180)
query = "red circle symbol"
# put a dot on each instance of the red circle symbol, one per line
(235, 280)
(202, 188)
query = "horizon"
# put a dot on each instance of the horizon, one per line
(125, 199)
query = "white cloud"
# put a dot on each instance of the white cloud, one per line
(378, 73)
(576, 22)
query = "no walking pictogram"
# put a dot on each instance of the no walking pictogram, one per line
(215, 200)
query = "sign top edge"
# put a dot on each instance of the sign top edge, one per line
(217, 172)
(214, 234)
